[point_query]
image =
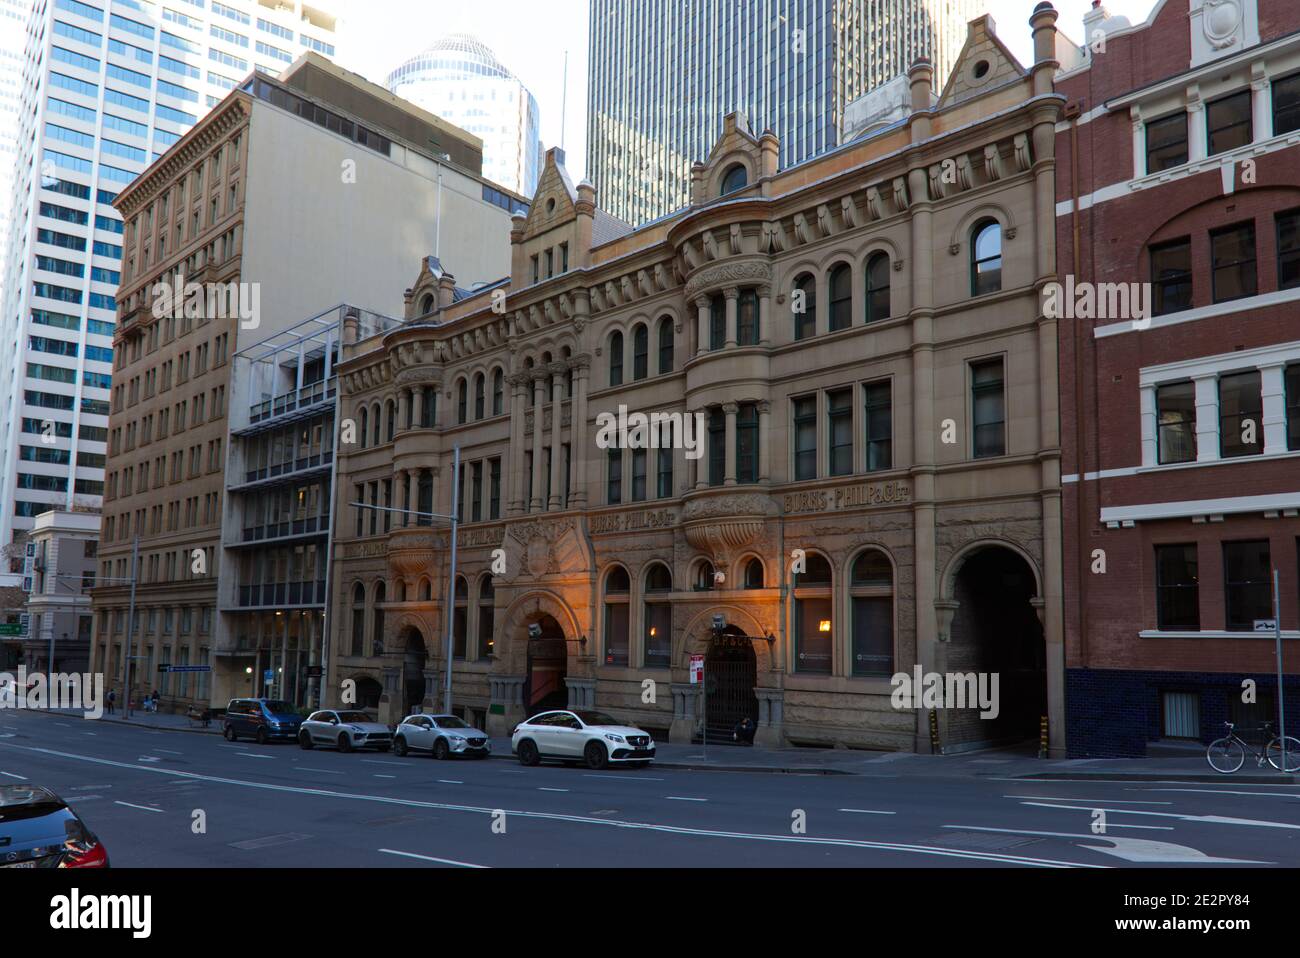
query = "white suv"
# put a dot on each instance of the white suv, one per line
(591, 737)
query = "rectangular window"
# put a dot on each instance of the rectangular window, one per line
(1177, 589)
(614, 476)
(747, 443)
(1166, 142)
(1286, 104)
(1247, 584)
(1241, 415)
(805, 438)
(639, 467)
(494, 488)
(476, 492)
(616, 632)
(1228, 123)
(664, 470)
(839, 433)
(717, 446)
(1293, 407)
(1288, 249)
(1233, 260)
(1176, 423)
(878, 416)
(988, 409)
(812, 623)
(747, 318)
(717, 322)
(1171, 276)
(1180, 715)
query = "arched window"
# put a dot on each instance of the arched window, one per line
(665, 345)
(717, 322)
(616, 359)
(365, 425)
(986, 258)
(841, 286)
(358, 620)
(804, 306)
(812, 616)
(640, 352)
(877, 287)
(430, 408)
(377, 636)
(426, 590)
(426, 304)
(390, 415)
(487, 592)
(498, 392)
(658, 617)
(747, 443)
(754, 574)
(747, 318)
(460, 621)
(479, 399)
(871, 588)
(736, 178)
(376, 424)
(617, 607)
(424, 497)
(462, 402)
(704, 577)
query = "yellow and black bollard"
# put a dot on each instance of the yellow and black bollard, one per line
(1042, 738)
(935, 747)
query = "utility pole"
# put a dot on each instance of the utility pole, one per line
(1281, 694)
(128, 642)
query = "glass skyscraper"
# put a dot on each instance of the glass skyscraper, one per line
(107, 87)
(664, 73)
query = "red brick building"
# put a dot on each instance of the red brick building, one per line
(1178, 169)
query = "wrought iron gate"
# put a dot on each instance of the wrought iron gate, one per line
(730, 674)
(544, 687)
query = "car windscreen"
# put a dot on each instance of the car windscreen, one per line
(450, 721)
(596, 718)
(353, 717)
(280, 708)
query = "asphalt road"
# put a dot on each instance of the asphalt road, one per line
(144, 792)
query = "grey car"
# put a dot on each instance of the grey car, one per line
(441, 735)
(345, 729)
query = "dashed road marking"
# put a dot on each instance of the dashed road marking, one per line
(430, 858)
(682, 798)
(866, 811)
(143, 808)
(12, 775)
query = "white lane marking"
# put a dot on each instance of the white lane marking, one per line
(12, 775)
(167, 750)
(430, 858)
(624, 778)
(1149, 828)
(552, 789)
(866, 811)
(89, 733)
(1126, 781)
(450, 781)
(324, 771)
(148, 758)
(1227, 791)
(247, 755)
(1130, 849)
(511, 771)
(375, 761)
(1071, 798)
(680, 798)
(377, 775)
(1208, 819)
(570, 819)
(143, 808)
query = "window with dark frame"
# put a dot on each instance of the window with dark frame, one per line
(717, 446)
(1286, 104)
(878, 305)
(1232, 252)
(1171, 276)
(639, 467)
(805, 438)
(988, 409)
(1247, 584)
(1176, 423)
(616, 359)
(872, 604)
(658, 617)
(1292, 380)
(1166, 142)
(717, 322)
(747, 443)
(878, 418)
(640, 352)
(614, 475)
(813, 619)
(1228, 122)
(1241, 415)
(747, 318)
(617, 616)
(494, 488)
(1288, 249)
(1177, 588)
(839, 431)
(665, 345)
(841, 293)
(805, 321)
(986, 258)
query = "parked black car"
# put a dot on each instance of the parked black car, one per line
(39, 830)
(260, 719)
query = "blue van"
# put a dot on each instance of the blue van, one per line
(261, 720)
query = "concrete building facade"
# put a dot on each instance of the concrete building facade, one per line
(874, 486)
(1177, 182)
(66, 544)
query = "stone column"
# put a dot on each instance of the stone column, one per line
(1272, 431)
(515, 504)
(702, 325)
(578, 432)
(700, 477)
(1150, 438)
(1207, 418)
(556, 501)
(582, 692)
(729, 473)
(506, 708)
(685, 709)
(403, 408)
(765, 316)
(417, 407)
(771, 718)
(1196, 126)
(733, 303)
(536, 503)
(764, 441)
(1261, 104)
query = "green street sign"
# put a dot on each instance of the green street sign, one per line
(10, 628)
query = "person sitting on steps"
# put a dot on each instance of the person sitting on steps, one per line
(744, 731)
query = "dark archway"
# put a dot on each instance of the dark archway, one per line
(548, 664)
(996, 629)
(368, 692)
(730, 675)
(413, 661)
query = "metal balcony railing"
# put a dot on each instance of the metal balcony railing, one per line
(313, 525)
(279, 594)
(289, 468)
(304, 398)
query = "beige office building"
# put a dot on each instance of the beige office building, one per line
(876, 483)
(290, 196)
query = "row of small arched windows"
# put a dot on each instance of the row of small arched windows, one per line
(641, 351)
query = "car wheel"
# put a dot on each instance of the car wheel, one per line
(304, 740)
(399, 747)
(528, 754)
(596, 756)
(345, 744)
(230, 735)
(440, 750)
(260, 736)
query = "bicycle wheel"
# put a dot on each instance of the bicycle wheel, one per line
(1226, 755)
(1274, 753)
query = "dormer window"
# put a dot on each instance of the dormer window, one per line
(736, 179)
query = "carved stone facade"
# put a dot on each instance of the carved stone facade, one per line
(865, 437)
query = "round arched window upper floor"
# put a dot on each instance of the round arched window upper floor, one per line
(841, 292)
(803, 305)
(462, 402)
(480, 398)
(735, 179)
(426, 304)
(665, 345)
(640, 351)
(878, 305)
(498, 392)
(616, 359)
(754, 574)
(705, 577)
(986, 257)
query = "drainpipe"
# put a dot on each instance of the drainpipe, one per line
(1080, 438)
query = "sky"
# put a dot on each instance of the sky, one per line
(531, 38)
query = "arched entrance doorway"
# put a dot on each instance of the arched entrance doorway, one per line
(413, 661)
(548, 663)
(730, 674)
(996, 629)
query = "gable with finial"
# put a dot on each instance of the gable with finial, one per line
(554, 201)
(984, 64)
(737, 148)
(422, 297)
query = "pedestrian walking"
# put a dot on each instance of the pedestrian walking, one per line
(112, 699)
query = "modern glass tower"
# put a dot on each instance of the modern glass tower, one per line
(13, 22)
(460, 80)
(107, 87)
(664, 73)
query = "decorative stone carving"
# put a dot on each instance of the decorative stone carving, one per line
(728, 275)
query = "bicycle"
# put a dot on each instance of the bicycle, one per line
(1228, 754)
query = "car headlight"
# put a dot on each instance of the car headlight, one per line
(615, 738)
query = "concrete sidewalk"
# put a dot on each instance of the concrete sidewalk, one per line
(1002, 763)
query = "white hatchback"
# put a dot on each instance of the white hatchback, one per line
(581, 736)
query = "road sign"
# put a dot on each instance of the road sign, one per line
(1266, 625)
(10, 628)
(697, 669)
(184, 668)
(268, 676)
